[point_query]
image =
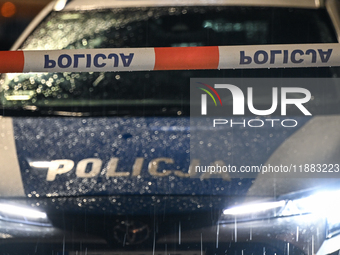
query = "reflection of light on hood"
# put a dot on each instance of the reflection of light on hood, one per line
(5, 235)
(18, 97)
(41, 164)
(7, 211)
(60, 5)
(254, 208)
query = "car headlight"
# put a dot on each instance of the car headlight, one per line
(22, 214)
(254, 211)
(325, 204)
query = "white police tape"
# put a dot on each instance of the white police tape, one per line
(103, 60)
(268, 56)
(171, 58)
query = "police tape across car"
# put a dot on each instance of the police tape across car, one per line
(170, 58)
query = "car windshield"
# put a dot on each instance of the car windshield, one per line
(154, 27)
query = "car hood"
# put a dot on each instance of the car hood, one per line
(123, 184)
(71, 156)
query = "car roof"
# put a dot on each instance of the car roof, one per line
(102, 4)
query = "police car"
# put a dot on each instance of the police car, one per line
(172, 127)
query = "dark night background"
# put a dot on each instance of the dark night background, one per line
(15, 15)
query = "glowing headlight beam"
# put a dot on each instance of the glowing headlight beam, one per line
(19, 211)
(254, 208)
(41, 164)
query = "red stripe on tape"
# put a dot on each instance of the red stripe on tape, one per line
(11, 61)
(186, 58)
